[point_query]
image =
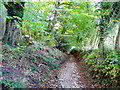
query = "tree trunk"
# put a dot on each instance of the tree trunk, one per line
(2, 20)
(117, 45)
(12, 33)
(57, 3)
(101, 42)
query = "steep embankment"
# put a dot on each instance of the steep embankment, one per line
(31, 67)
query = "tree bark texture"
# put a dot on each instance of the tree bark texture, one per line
(2, 20)
(117, 45)
(12, 33)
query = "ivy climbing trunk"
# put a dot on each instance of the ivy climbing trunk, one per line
(12, 33)
(102, 35)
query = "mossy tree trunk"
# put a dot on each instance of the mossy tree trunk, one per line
(2, 20)
(107, 20)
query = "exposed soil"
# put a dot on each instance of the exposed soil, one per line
(71, 76)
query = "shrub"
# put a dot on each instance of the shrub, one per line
(105, 69)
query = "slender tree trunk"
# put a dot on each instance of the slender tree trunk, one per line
(54, 22)
(117, 45)
(101, 42)
(57, 3)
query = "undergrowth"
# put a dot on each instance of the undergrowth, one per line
(105, 68)
(34, 55)
(13, 83)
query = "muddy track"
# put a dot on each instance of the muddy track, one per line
(71, 76)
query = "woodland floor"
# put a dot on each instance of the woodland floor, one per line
(71, 74)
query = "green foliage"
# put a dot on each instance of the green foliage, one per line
(13, 83)
(32, 54)
(105, 70)
(73, 22)
(64, 25)
(63, 44)
(14, 8)
(76, 22)
(49, 60)
(34, 21)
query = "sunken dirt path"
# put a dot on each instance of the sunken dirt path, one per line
(71, 76)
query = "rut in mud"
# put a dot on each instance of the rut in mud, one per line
(71, 76)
